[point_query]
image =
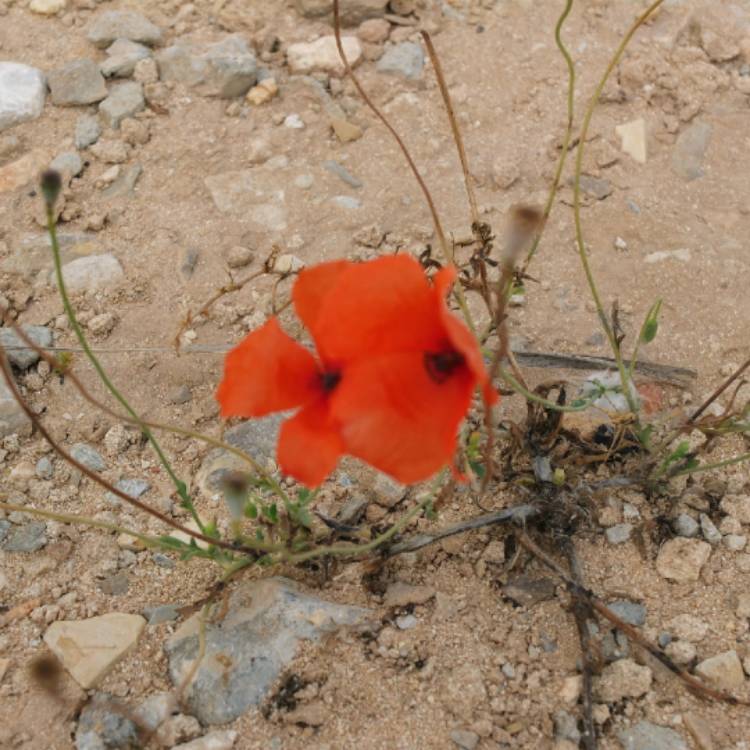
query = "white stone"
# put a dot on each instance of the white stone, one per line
(22, 93)
(47, 7)
(88, 649)
(288, 263)
(12, 417)
(221, 740)
(634, 139)
(92, 272)
(323, 54)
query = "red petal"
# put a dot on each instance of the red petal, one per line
(461, 337)
(309, 444)
(268, 371)
(313, 286)
(397, 418)
(378, 307)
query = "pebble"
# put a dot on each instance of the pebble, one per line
(682, 254)
(44, 468)
(681, 652)
(735, 542)
(122, 57)
(647, 736)
(345, 131)
(723, 670)
(566, 727)
(374, 30)
(28, 537)
(22, 172)
(406, 622)
(405, 59)
(92, 273)
(112, 25)
(288, 263)
(526, 591)
(125, 183)
(737, 506)
(688, 628)
(323, 55)
(619, 534)
(353, 12)
(23, 90)
(632, 612)
(264, 622)
(221, 740)
(101, 325)
(18, 354)
(87, 131)
(263, 92)
(88, 649)
(400, 594)
(239, 256)
(620, 244)
(224, 69)
(348, 202)
(571, 689)
(115, 585)
(685, 525)
(340, 171)
(47, 7)
(101, 726)
(596, 187)
(13, 419)
(180, 395)
(76, 83)
(464, 739)
(710, 533)
(622, 679)
(681, 559)
(701, 731)
(69, 164)
(309, 715)
(634, 139)
(88, 456)
(161, 613)
(294, 121)
(690, 150)
(132, 487)
(125, 100)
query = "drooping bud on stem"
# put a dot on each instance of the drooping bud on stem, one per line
(50, 184)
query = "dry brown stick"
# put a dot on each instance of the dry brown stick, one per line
(582, 613)
(734, 376)
(37, 423)
(517, 514)
(631, 632)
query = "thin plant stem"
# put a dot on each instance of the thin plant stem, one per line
(566, 138)
(180, 486)
(709, 467)
(537, 399)
(609, 332)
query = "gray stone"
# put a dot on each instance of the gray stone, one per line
(596, 187)
(526, 591)
(124, 101)
(353, 12)
(29, 537)
(76, 83)
(115, 585)
(647, 736)
(102, 726)
(619, 533)
(631, 612)
(12, 417)
(406, 622)
(44, 468)
(91, 273)
(710, 533)
(125, 184)
(566, 727)
(22, 93)
(87, 131)
(405, 59)
(247, 650)
(723, 670)
(160, 613)
(88, 456)
(131, 487)
(19, 355)
(347, 201)
(335, 168)
(465, 739)
(226, 69)
(690, 149)
(122, 24)
(68, 164)
(122, 58)
(615, 646)
(162, 560)
(4, 528)
(685, 525)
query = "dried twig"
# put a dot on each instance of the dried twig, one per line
(731, 379)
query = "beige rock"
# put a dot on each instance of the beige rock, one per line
(47, 7)
(263, 92)
(700, 730)
(571, 689)
(743, 605)
(322, 54)
(310, 714)
(402, 594)
(634, 139)
(681, 559)
(345, 131)
(680, 652)
(622, 679)
(723, 670)
(22, 171)
(737, 506)
(222, 740)
(374, 30)
(88, 649)
(688, 628)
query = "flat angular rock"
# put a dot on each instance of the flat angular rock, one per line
(22, 93)
(122, 24)
(76, 83)
(101, 725)
(723, 670)
(403, 594)
(122, 58)
(690, 150)
(19, 355)
(622, 679)
(23, 171)
(634, 139)
(405, 59)
(92, 273)
(681, 559)
(13, 418)
(125, 100)
(88, 649)
(647, 736)
(323, 54)
(248, 649)
(28, 537)
(353, 12)
(225, 69)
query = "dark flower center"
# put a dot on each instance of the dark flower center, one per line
(441, 365)
(329, 380)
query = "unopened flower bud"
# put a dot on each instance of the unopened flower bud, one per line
(50, 184)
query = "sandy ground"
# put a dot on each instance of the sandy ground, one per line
(411, 688)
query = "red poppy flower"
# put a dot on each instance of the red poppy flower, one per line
(394, 376)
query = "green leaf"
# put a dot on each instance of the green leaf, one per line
(271, 513)
(251, 510)
(477, 468)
